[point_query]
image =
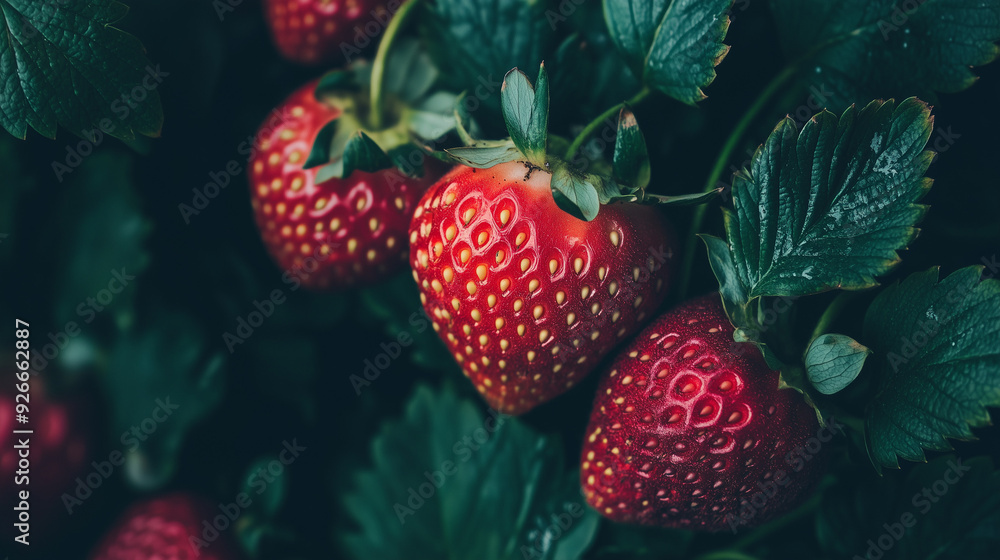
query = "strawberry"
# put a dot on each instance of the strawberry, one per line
(526, 297)
(167, 528)
(60, 449)
(313, 31)
(689, 431)
(330, 234)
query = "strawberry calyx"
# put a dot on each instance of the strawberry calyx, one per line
(525, 110)
(385, 110)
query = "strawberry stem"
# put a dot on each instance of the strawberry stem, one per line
(831, 313)
(381, 56)
(720, 166)
(592, 126)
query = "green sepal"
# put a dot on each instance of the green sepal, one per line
(465, 127)
(630, 166)
(526, 113)
(362, 153)
(692, 199)
(486, 154)
(322, 146)
(576, 194)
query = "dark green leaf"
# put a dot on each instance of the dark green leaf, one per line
(829, 207)
(674, 45)
(947, 509)
(734, 296)
(337, 82)
(938, 366)
(867, 49)
(526, 113)
(362, 153)
(486, 154)
(409, 159)
(833, 361)
(630, 166)
(498, 500)
(394, 307)
(165, 375)
(576, 194)
(476, 42)
(105, 233)
(64, 64)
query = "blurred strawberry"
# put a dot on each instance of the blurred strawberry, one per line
(173, 527)
(58, 450)
(324, 31)
(331, 234)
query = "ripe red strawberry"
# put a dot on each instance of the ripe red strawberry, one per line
(312, 31)
(167, 528)
(527, 298)
(59, 450)
(333, 234)
(685, 431)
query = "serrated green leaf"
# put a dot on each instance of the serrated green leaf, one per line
(833, 361)
(162, 374)
(948, 509)
(868, 49)
(486, 154)
(938, 362)
(496, 500)
(525, 113)
(363, 154)
(674, 45)
(65, 65)
(630, 166)
(576, 194)
(829, 207)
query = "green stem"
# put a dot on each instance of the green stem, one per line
(832, 312)
(611, 112)
(378, 67)
(719, 168)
